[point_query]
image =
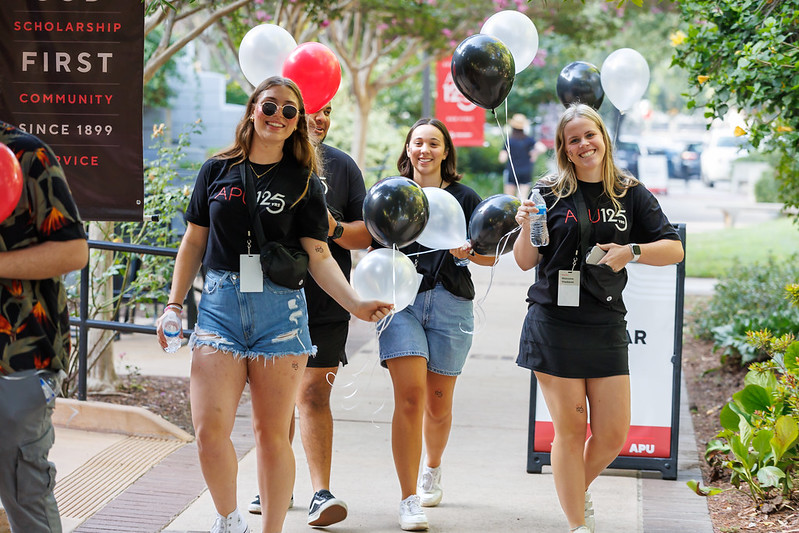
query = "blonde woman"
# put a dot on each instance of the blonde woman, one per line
(577, 344)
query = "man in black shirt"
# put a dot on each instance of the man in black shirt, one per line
(328, 321)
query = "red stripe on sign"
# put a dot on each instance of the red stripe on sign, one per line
(642, 441)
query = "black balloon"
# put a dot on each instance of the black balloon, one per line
(483, 70)
(491, 221)
(580, 82)
(395, 211)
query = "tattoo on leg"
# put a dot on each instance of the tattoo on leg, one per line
(295, 365)
(439, 394)
(319, 249)
(580, 409)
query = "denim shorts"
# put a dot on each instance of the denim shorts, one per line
(437, 326)
(267, 324)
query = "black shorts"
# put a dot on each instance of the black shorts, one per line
(330, 340)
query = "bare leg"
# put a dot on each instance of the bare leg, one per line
(274, 384)
(438, 416)
(609, 399)
(566, 402)
(316, 423)
(409, 377)
(510, 188)
(217, 380)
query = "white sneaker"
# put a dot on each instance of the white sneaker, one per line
(232, 523)
(581, 529)
(589, 512)
(429, 488)
(411, 515)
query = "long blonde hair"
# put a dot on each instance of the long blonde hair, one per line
(298, 145)
(615, 180)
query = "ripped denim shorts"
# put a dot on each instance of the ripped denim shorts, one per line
(267, 324)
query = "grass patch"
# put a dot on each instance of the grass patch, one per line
(712, 254)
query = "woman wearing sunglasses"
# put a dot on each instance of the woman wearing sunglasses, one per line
(250, 328)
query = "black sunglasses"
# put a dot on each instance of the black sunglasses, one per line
(270, 108)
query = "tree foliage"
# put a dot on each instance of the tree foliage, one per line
(744, 55)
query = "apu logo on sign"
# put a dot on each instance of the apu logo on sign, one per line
(453, 96)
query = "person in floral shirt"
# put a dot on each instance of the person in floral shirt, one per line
(42, 239)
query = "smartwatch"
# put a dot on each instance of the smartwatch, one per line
(337, 231)
(636, 250)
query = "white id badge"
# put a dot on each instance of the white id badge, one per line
(569, 288)
(252, 278)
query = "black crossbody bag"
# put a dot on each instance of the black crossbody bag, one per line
(598, 280)
(285, 266)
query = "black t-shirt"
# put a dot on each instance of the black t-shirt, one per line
(439, 266)
(218, 203)
(639, 220)
(344, 193)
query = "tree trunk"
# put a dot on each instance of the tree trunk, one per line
(101, 375)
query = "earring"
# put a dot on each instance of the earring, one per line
(252, 118)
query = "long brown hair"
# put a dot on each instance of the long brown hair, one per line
(297, 145)
(449, 167)
(615, 180)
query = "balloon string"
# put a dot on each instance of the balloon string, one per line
(506, 142)
(369, 362)
(480, 314)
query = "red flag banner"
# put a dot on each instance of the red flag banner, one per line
(463, 119)
(71, 74)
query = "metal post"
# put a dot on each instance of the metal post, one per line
(83, 333)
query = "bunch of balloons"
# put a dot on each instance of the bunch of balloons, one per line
(398, 212)
(269, 50)
(624, 78)
(10, 182)
(484, 65)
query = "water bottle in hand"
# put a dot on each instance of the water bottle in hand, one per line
(539, 234)
(172, 326)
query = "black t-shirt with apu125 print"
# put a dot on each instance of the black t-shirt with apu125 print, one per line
(218, 203)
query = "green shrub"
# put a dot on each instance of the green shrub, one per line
(758, 442)
(748, 298)
(767, 189)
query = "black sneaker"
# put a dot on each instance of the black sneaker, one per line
(326, 509)
(255, 505)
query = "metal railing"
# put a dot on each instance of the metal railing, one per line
(84, 323)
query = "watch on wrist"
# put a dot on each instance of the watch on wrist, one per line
(337, 231)
(636, 250)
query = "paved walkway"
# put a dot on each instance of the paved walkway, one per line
(486, 486)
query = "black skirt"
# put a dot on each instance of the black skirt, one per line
(566, 343)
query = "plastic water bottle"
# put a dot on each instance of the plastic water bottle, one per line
(539, 234)
(461, 262)
(173, 325)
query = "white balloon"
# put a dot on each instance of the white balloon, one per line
(387, 275)
(263, 50)
(446, 225)
(517, 32)
(625, 77)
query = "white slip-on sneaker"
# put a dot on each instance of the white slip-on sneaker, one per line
(589, 512)
(411, 515)
(429, 488)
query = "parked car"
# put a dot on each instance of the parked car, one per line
(627, 154)
(689, 166)
(717, 157)
(672, 155)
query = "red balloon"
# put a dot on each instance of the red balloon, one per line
(316, 71)
(10, 182)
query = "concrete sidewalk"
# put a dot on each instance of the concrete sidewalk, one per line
(486, 485)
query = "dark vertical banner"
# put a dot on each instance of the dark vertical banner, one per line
(71, 74)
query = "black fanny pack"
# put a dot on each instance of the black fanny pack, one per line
(285, 266)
